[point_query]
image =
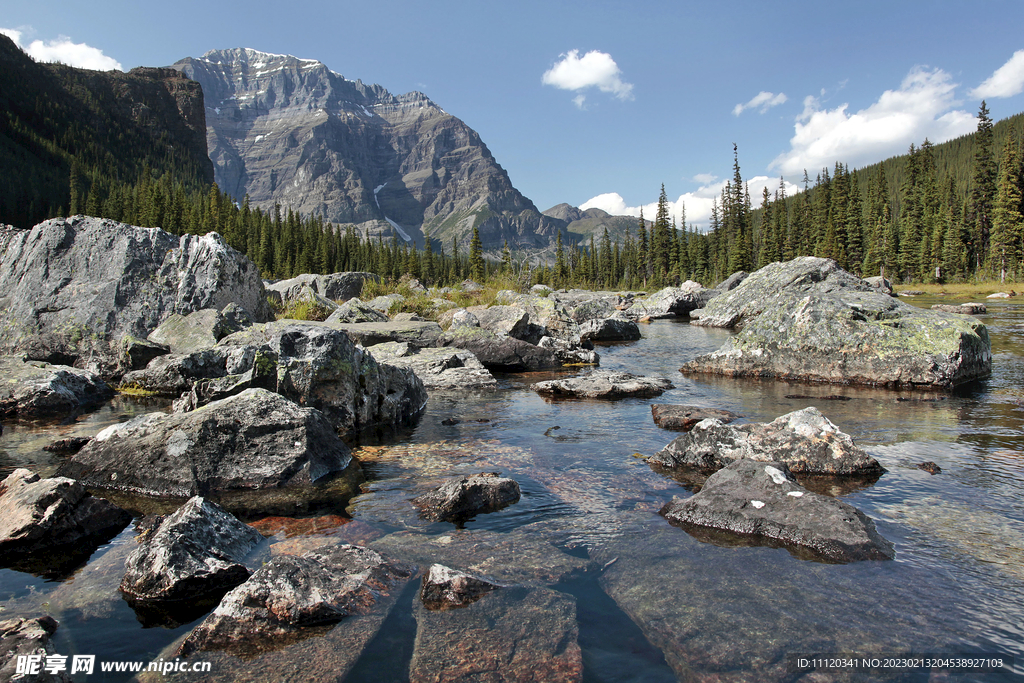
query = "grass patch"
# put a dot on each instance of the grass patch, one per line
(305, 310)
(964, 290)
(133, 389)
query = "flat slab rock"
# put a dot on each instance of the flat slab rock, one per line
(291, 593)
(464, 497)
(609, 330)
(805, 440)
(683, 418)
(25, 638)
(962, 309)
(34, 390)
(38, 515)
(763, 503)
(252, 442)
(440, 369)
(809, 320)
(604, 384)
(512, 635)
(198, 550)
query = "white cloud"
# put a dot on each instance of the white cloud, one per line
(921, 108)
(65, 51)
(1007, 81)
(595, 69)
(762, 100)
(697, 203)
(580, 101)
(705, 178)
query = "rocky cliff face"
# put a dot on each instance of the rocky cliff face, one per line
(291, 131)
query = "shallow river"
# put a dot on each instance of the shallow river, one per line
(652, 602)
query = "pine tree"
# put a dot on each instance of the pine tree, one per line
(1006, 214)
(983, 189)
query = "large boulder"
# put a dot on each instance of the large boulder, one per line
(807, 319)
(500, 353)
(33, 390)
(463, 497)
(312, 364)
(254, 443)
(511, 321)
(355, 311)
(38, 515)
(198, 330)
(607, 384)
(418, 333)
(198, 550)
(609, 330)
(672, 301)
(440, 369)
(91, 281)
(805, 440)
(762, 504)
(291, 593)
(24, 638)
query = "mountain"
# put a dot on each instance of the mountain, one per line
(112, 124)
(290, 131)
(582, 225)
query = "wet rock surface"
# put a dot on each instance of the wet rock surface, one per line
(805, 440)
(34, 390)
(41, 515)
(27, 638)
(291, 593)
(464, 497)
(683, 418)
(605, 384)
(440, 369)
(961, 309)
(516, 634)
(762, 504)
(609, 330)
(444, 588)
(255, 442)
(809, 320)
(198, 550)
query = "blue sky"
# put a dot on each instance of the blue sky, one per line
(599, 103)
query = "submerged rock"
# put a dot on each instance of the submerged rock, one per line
(517, 634)
(194, 552)
(444, 588)
(684, 418)
(21, 638)
(291, 593)
(604, 384)
(763, 503)
(34, 390)
(440, 369)
(809, 320)
(464, 497)
(39, 515)
(253, 443)
(805, 440)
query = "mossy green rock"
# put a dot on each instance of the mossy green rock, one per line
(807, 319)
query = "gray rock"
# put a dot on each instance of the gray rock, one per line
(193, 332)
(458, 317)
(171, 375)
(471, 286)
(549, 317)
(609, 330)
(300, 290)
(607, 384)
(137, 353)
(355, 311)
(42, 514)
(92, 281)
(997, 295)
(540, 290)
(249, 443)
(464, 497)
(517, 634)
(961, 309)
(498, 353)
(289, 594)
(881, 284)
(198, 550)
(27, 638)
(343, 286)
(672, 301)
(440, 369)
(809, 320)
(805, 440)
(385, 302)
(511, 321)
(683, 418)
(413, 332)
(763, 503)
(33, 390)
(732, 282)
(444, 588)
(570, 353)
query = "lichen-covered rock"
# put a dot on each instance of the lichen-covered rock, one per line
(198, 330)
(137, 353)
(511, 321)
(253, 442)
(607, 384)
(684, 418)
(440, 369)
(961, 309)
(33, 390)
(500, 353)
(291, 593)
(672, 301)
(198, 550)
(763, 503)
(464, 497)
(418, 333)
(41, 514)
(809, 320)
(805, 440)
(28, 638)
(444, 588)
(355, 311)
(609, 330)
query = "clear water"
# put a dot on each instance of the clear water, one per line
(657, 605)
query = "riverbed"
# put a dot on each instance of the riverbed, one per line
(652, 602)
